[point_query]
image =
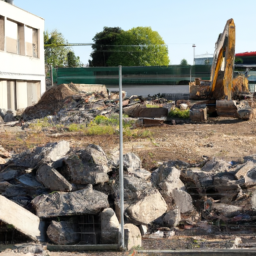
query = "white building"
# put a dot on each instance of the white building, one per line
(22, 73)
(204, 59)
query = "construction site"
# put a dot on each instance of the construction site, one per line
(89, 169)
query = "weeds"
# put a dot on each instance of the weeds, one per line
(179, 113)
(152, 106)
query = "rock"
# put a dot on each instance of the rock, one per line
(3, 186)
(18, 190)
(79, 172)
(253, 200)
(109, 227)
(251, 158)
(30, 249)
(248, 173)
(183, 201)
(22, 220)
(227, 210)
(4, 153)
(140, 173)
(29, 179)
(52, 179)
(2, 161)
(154, 177)
(51, 152)
(9, 174)
(134, 189)
(183, 106)
(9, 116)
(95, 154)
(131, 162)
(2, 112)
(227, 187)
(169, 180)
(216, 166)
(85, 201)
(63, 233)
(132, 236)
(172, 218)
(147, 209)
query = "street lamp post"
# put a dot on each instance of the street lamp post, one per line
(194, 46)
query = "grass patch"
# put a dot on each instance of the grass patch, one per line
(179, 113)
(100, 130)
(151, 106)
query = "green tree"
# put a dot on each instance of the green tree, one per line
(56, 55)
(140, 46)
(183, 62)
(102, 47)
(238, 60)
(73, 60)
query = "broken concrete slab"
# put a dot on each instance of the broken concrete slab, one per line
(227, 210)
(2, 161)
(132, 236)
(22, 220)
(109, 227)
(29, 179)
(52, 179)
(94, 153)
(19, 190)
(248, 173)
(131, 161)
(63, 232)
(85, 201)
(8, 174)
(216, 166)
(140, 173)
(172, 218)
(51, 152)
(3, 186)
(78, 172)
(147, 209)
(183, 200)
(135, 188)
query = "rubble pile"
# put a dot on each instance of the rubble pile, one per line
(50, 187)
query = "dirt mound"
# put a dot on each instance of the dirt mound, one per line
(50, 103)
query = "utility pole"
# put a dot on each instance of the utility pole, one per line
(121, 178)
(194, 46)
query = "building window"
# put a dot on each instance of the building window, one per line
(31, 38)
(11, 37)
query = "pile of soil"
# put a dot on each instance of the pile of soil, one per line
(50, 103)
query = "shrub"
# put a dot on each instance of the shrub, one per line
(179, 113)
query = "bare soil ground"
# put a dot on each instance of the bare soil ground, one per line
(228, 139)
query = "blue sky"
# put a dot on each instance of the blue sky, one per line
(181, 23)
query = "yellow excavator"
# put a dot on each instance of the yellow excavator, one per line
(223, 89)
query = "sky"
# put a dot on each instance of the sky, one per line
(181, 23)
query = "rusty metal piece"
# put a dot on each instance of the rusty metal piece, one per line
(198, 114)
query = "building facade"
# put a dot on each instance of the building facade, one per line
(204, 59)
(22, 71)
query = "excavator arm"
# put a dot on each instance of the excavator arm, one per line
(223, 60)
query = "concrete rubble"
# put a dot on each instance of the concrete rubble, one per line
(56, 184)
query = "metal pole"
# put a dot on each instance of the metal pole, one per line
(121, 179)
(52, 74)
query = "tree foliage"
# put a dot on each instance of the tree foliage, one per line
(102, 46)
(140, 46)
(183, 62)
(56, 55)
(73, 60)
(239, 60)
